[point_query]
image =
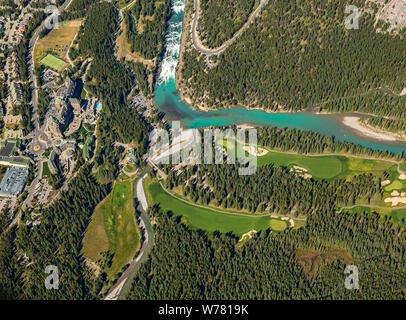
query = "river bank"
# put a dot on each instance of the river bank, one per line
(355, 123)
(172, 98)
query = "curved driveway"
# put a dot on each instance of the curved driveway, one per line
(215, 51)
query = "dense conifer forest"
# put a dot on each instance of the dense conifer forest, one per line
(270, 189)
(296, 57)
(307, 58)
(56, 241)
(307, 263)
(146, 23)
(112, 81)
(220, 19)
(391, 125)
(311, 142)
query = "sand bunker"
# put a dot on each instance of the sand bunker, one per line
(301, 172)
(402, 176)
(395, 193)
(396, 200)
(249, 234)
(260, 152)
(300, 168)
(385, 183)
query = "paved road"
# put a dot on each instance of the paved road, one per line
(124, 282)
(160, 172)
(215, 51)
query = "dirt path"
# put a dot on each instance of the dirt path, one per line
(199, 46)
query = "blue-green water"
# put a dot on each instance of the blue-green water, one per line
(167, 99)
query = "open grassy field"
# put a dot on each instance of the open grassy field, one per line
(96, 240)
(119, 224)
(58, 40)
(208, 220)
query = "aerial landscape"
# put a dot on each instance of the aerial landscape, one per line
(202, 150)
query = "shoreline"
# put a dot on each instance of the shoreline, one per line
(354, 122)
(351, 120)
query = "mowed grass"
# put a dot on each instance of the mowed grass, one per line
(56, 40)
(116, 216)
(54, 62)
(319, 167)
(45, 169)
(277, 225)
(396, 183)
(329, 167)
(120, 225)
(208, 220)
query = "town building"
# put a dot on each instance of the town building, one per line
(53, 129)
(11, 119)
(13, 181)
(75, 103)
(13, 134)
(16, 93)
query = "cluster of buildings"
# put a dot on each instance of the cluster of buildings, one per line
(16, 93)
(11, 121)
(12, 129)
(13, 181)
(12, 66)
(14, 24)
(58, 114)
(62, 157)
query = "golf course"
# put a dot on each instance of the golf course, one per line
(208, 219)
(329, 167)
(319, 166)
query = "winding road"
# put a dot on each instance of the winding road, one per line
(199, 46)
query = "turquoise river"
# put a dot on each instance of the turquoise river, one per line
(167, 99)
